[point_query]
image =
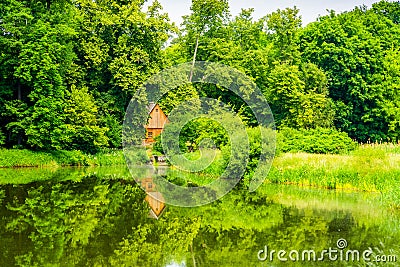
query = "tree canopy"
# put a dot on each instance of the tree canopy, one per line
(69, 68)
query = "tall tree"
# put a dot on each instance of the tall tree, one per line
(119, 46)
(207, 17)
(283, 27)
(81, 125)
(297, 98)
(352, 48)
(37, 54)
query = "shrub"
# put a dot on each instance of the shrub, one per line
(319, 140)
(256, 145)
(70, 158)
(109, 157)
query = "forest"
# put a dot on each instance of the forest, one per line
(68, 68)
(328, 170)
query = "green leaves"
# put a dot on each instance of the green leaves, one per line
(119, 47)
(37, 54)
(283, 26)
(319, 140)
(388, 9)
(207, 15)
(298, 98)
(353, 48)
(82, 131)
(107, 48)
(2, 138)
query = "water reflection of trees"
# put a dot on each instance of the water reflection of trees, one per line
(105, 222)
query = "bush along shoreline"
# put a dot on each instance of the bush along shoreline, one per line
(288, 140)
(369, 168)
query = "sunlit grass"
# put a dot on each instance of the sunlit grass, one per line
(25, 158)
(370, 168)
(391, 148)
(208, 166)
(110, 157)
(207, 161)
(10, 158)
(345, 172)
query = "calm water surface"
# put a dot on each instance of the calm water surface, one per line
(98, 217)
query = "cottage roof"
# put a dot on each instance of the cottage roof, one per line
(151, 106)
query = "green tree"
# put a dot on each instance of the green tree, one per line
(207, 17)
(352, 49)
(37, 54)
(15, 114)
(388, 9)
(178, 96)
(390, 101)
(283, 27)
(81, 125)
(298, 98)
(2, 138)
(13, 27)
(245, 31)
(110, 47)
(119, 46)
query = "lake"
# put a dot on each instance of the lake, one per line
(99, 217)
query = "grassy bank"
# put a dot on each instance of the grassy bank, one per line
(336, 172)
(27, 158)
(370, 168)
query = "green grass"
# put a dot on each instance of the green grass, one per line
(208, 161)
(370, 168)
(367, 169)
(110, 157)
(25, 158)
(200, 168)
(28, 175)
(391, 148)
(11, 158)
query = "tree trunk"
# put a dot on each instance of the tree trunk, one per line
(19, 96)
(191, 250)
(194, 58)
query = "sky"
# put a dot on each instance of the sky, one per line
(309, 9)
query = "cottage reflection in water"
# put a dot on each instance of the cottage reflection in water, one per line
(155, 199)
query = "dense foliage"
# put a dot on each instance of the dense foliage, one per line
(69, 68)
(319, 140)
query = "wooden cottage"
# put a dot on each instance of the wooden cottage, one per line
(156, 123)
